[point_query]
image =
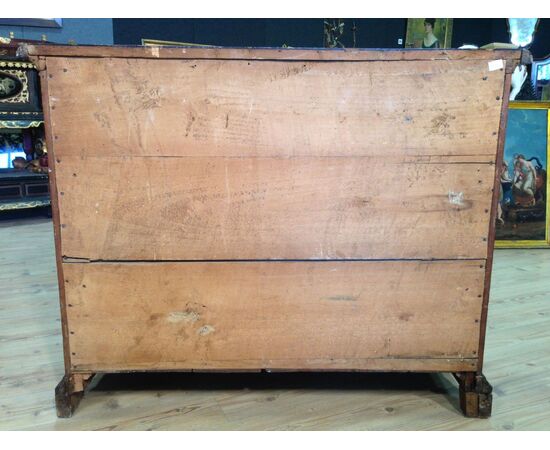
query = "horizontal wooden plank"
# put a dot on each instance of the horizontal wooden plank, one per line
(293, 365)
(226, 315)
(162, 208)
(274, 108)
(179, 52)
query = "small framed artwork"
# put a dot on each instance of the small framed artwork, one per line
(540, 79)
(523, 209)
(429, 33)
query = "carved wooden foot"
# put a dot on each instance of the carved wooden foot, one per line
(69, 392)
(476, 398)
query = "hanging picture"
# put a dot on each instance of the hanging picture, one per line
(429, 33)
(540, 79)
(523, 212)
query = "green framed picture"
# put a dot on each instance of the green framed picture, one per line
(523, 209)
(429, 33)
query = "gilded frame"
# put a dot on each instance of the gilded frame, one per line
(534, 243)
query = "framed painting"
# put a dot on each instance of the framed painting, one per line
(429, 33)
(540, 78)
(523, 209)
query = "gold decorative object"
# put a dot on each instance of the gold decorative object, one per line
(23, 95)
(333, 32)
(21, 113)
(17, 64)
(6, 206)
(18, 124)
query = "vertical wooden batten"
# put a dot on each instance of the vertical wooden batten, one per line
(40, 63)
(494, 207)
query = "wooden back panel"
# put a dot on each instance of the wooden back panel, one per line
(236, 159)
(281, 315)
(177, 170)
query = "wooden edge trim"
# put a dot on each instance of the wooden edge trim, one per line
(55, 210)
(80, 380)
(492, 220)
(526, 57)
(164, 52)
(411, 364)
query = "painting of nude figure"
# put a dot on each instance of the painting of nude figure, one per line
(522, 216)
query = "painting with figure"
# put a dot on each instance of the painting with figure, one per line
(429, 33)
(522, 208)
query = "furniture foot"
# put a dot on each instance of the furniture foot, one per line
(476, 398)
(69, 392)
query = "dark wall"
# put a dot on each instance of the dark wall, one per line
(370, 33)
(224, 32)
(381, 33)
(479, 31)
(541, 45)
(374, 33)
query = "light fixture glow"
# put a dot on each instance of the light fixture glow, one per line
(522, 31)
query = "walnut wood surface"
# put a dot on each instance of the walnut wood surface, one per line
(272, 314)
(179, 52)
(177, 154)
(274, 159)
(137, 107)
(271, 208)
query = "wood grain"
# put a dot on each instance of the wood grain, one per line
(166, 165)
(54, 196)
(272, 315)
(179, 52)
(492, 224)
(162, 208)
(108, 107)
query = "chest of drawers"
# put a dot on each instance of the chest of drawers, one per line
(263, 209)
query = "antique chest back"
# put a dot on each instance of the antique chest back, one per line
(249, 209)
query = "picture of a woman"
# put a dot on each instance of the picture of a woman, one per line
(430, 40)
(525, 180)
(505, 184)
(429, 33)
